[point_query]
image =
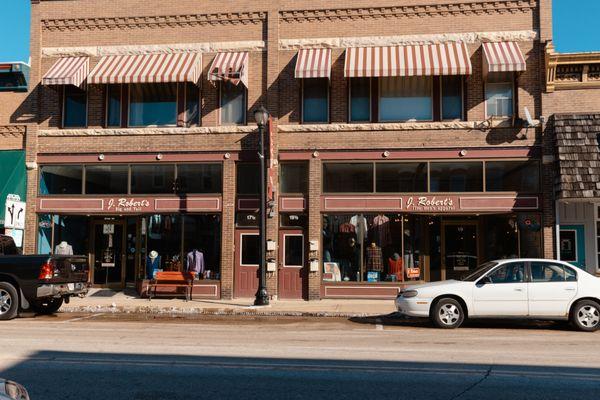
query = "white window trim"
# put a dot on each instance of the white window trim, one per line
(403, 120)
(152, 126)
(242, 249)
(285, 235)
(513, 89)
(328, 103)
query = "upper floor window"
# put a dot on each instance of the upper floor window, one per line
(348, 178)
(406, 98)
(106, 179)
(452, 97)
(401, 177)
(293, 177)
(512, 176)
(153, 104)
(74, 107)
(360, 99)
(499, 98)
(456, 176)
(61, 179)
(233, 103)
(315, 100)
(113, 105)
(147, 179)
(199, 178)
(248, 178)
(192, 105)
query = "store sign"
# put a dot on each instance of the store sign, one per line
(127, 205)
(433, 204)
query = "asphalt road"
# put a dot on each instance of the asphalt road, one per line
(103, 357)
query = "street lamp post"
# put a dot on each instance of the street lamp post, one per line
(261, 116)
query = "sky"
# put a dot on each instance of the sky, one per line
(575, 28)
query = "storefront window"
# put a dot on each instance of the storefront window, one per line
(153, 104)
(501, 237)
(152, 179)
(74, 107)
(530, 235)
(360, 99)
(233, 104)
(401, 177)
(71, 234)
(113, 105)
(406, 98)
(499, 94)
(348, 178)
(200, 178)
(293, 177)
(452, 102)
(456, 177)
(164, 238)
(248, 178)
(202, 244)
(61, 179)
(512, 176)
(106, 179)
(315, 100)
(192, 104)
(44, 234)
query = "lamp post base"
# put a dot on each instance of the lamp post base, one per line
(262, 298)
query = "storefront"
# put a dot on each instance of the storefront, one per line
(127, 236)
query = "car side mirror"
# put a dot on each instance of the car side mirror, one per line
(485, 280)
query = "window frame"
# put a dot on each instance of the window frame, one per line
(153, 126)
(176, 181)
(305, 165)
(373, 176)
(166, 164)
(513, 83)
(328, 119)
(379, 82)
(545, 262)
(39, 176)
(85, 166)
(220, 99)
(522, 160)
(526, 273)
(63, 108)
(462, 98)
(370, 120)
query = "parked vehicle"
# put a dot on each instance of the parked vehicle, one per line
(40, 283)
(12, 391)
(513, 288)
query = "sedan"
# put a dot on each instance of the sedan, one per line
(513, 288)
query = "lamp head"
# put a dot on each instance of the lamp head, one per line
(261, 116)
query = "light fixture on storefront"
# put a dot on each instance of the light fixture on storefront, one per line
(227, 156)
(386, 154)
(463, 153)
(101, 157)
(159, 156)
(315, 154)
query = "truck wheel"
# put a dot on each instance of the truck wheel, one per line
(9, 301)
(47, 306)
(586, 316)
(448, 314)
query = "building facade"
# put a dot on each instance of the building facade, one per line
(407, 140)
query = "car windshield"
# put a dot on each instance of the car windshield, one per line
(479, 272)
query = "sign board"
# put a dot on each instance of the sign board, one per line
(17, 235)
(14, 211)
(108, 229)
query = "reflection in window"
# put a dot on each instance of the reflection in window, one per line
(406, 98)
(401, 177)
(61, 179)
(512, 176)
(452, 103)
(233, 103)
(348, 177)
(360, 99)
(456, 177)
(315, 100)
(499, 94)
(113, 105)
(153, 104)
(509, 273)
(151, 179)
(74, 107)
(106, 179)
(200, 178)
(293, 177)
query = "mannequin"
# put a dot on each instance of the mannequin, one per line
(63, 249)
(195, 262)
(396, 266)
(374, 258)
(152, 264)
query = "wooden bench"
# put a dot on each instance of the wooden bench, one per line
(172, 279)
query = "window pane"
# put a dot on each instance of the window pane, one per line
(452, 97)
(360, 99)
(192, 104)
(456, 177)
(405, 98)
(513, 176)
(248, 178)
(293, 177)
(233, 103)
(547, 272)
(250, 249)
(164, 237)
(45, 234)
(401, 177)
(113, 105)
(75, 107)
(294, 250)
(153, 104)
(499, 94)
(200, 178)
(203, 234)
(106, 179)
(315, 104)
(348, 178)
(72, 229)
(61, 179)
(146, 179)
(509, 273)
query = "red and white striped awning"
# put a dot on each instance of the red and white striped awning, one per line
(68, 71)
(503, 57)
(313, 63)
(412, 60)
(148, 68)
(230, 66)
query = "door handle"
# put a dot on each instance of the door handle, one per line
(570, 289)
(518, 290)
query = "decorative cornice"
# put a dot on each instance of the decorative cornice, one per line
(152, 21)
(146, 131)
(571, 70)
(398, 40)
(99, 51)
(410, 11)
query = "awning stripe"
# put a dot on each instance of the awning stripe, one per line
(68, 71)
(148, 68)
(503, 57)
(413, 60)
(230, 66)
(313, 63)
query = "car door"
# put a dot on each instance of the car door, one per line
(502, 292)
(552, 287)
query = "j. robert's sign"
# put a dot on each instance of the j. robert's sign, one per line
(124, 204)
(427, 203)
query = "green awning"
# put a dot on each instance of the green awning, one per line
(13, 177)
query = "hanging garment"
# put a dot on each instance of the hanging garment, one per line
(155, 227)
(195, 262)
(347, 228)
(374, 259)
(152, 265)
(381, 228)
(63, 249)
(396, 268)
(360, 225)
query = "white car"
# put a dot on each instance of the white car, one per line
(513, 288)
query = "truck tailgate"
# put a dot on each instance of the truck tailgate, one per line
(70, 269)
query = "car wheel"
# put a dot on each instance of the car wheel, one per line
(586, 316)
(47, 306)
(448, 314)
(9, 301)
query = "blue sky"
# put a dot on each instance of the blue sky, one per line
(575, 27)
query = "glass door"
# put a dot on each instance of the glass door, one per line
(459, 248)
(108, 253)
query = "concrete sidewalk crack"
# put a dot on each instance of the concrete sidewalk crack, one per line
(474, 385)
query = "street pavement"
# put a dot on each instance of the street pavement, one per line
(103, 356)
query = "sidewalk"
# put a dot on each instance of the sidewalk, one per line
(109, 301)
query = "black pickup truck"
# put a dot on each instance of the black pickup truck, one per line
(38, 283)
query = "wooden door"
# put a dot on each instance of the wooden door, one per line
(108, 254)
(292, 264)
(247, 258)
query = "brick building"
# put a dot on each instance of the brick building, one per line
(403, 149)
